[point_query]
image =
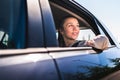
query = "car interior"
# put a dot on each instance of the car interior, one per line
(60, 12)
(88, 27)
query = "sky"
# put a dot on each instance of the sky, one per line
(106, 11)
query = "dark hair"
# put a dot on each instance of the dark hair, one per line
(61, 40)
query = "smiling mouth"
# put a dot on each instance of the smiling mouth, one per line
(75, 33)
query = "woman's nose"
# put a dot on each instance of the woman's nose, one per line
(76, 28)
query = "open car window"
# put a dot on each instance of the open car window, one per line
(86, 34)
(88, 27)
(86, 31)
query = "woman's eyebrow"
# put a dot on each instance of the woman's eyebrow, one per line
(69, 24)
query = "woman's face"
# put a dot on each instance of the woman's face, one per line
(70, 29)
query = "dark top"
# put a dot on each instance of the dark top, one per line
(79, 44)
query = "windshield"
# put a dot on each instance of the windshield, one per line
(106, 11)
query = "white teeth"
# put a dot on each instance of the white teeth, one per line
(74, 33)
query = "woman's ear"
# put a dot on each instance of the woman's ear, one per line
(61, 31)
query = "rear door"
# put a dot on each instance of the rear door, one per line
(83, 63)
(74, 63)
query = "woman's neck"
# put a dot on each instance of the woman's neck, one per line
(69, 42)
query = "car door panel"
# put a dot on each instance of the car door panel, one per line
(82, 64)
(29, 64)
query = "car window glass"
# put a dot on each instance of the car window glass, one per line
(3, 40)
(12, 23)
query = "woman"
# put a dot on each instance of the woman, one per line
(69, 31)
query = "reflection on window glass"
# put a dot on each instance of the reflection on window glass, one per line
(3, 40)
(12, 23)
(1, 34)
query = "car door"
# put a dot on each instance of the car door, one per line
(27, 64)
(23, 55)
(83, 63)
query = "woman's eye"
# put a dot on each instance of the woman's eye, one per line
(71, 26)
